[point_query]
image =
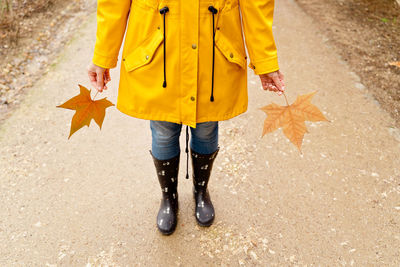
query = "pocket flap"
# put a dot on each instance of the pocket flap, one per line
(144, 53)
(230, 53)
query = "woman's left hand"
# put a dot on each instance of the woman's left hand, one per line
(273, 81)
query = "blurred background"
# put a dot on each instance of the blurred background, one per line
(32, 33)
(366, 34)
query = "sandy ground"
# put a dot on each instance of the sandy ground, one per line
(92, 200)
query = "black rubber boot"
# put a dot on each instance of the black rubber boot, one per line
(202, 166)
(167, 172)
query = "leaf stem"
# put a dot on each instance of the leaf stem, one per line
(95, 94)
(287, 103)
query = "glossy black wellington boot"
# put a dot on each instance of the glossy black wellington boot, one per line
(167, 172)
(202, 166)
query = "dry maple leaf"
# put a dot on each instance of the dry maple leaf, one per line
(292, 118)
(396, 63)
(86, 109)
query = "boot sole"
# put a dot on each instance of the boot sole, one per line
(173, 230)
(204, 224)
(198, 222)
(166, 233)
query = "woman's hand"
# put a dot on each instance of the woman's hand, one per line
(273, 82)
(98, 76)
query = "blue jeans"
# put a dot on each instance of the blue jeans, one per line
(165, 138)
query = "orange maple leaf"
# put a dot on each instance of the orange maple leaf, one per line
(86, 109)
(395, 63)
(292, 118)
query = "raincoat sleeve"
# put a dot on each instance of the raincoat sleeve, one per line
(257, 18)
(112, 16)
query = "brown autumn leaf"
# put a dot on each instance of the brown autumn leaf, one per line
(86, 109)
(291, 118)
(395, 63)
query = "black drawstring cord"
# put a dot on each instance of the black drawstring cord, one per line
(214, 11)
(187, 152)
(163, 11)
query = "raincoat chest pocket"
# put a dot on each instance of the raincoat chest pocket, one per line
(143, 35)
(229, 37)
(230, 53)
(144, 52)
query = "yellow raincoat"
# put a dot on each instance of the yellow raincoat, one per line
(184, 61)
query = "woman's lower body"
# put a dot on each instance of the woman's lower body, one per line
(165, 138)
(166, 154)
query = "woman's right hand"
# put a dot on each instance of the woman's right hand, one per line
(98, 76)
(273, 81)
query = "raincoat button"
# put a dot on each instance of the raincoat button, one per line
(147, 56)
(231, 55)
(192, 98)
(194, 46)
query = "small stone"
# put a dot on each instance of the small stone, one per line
(359, 86)
(245, 248)
(253, 255)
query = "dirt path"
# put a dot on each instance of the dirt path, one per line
(42, 35)
(93, 199)
(366, 34)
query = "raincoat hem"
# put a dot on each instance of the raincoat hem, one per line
(170, 118)
(227, 116)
